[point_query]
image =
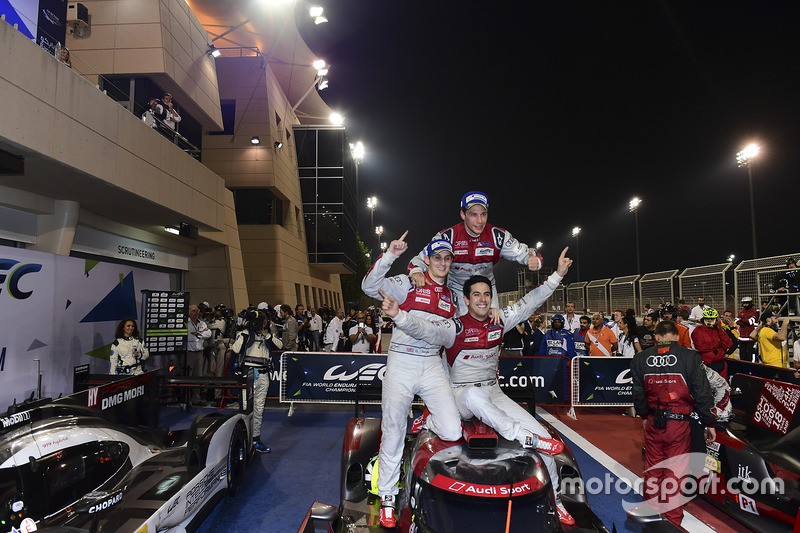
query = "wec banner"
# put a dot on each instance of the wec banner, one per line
(602, 381)
(321, 377)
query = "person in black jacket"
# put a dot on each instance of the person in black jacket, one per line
(668, 384)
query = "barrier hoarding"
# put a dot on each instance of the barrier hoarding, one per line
(602, 382)
(332, 377)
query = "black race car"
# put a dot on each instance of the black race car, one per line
(85, 461)
(479, 483)
(755, 462)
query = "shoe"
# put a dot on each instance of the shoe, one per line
(387, 518)
(261, 447)
(419, 423)
(564, 515)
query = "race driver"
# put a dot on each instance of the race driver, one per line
(669, 382)
(413, 366)
(477, 247)
(472, 346)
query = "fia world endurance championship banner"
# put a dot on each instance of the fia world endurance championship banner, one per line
(316, 377)
(602, 381)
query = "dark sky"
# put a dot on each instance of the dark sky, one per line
(563, 111)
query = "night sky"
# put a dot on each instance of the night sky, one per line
(564, 111)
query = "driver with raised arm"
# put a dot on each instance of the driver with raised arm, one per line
(477, 247)
(472, 345)
(413, 366)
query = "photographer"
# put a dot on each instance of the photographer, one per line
(361, 335)
(770, 339)
(252, 347)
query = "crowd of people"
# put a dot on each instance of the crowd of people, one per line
(759, 336)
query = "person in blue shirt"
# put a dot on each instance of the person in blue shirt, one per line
(580, 337)
(557, 340)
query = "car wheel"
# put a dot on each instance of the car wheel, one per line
(237, 458)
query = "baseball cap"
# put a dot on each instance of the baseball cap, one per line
(767, 314)
(558, 317)
(474, 198)
(262, 305)
(438, 246)
(205, 303)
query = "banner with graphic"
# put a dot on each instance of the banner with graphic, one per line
(549, 376)
(58, 312)
(602, 381)
(735, 366)
(316, 377)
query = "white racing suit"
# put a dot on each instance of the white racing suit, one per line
(721, 391)
(475, 256)
(126, 356)
(472, 348)
(413, 366)
(256, 355)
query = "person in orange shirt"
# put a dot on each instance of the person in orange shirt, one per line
(600, 340)
(670, 313)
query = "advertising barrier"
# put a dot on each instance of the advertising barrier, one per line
(602, 382)
(314, 377)
(735, 366)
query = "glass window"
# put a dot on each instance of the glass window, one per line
(308, 189)
(329, 233)
(331, 145)
(306, 147)
(329, 190)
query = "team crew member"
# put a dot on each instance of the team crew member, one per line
(579, 337)
(572, 322)
(333, 332)
(477, 247)
(712, 342)
(557, 340)
(198, 334)
(127, 351)
(747, 320)
(472, 347)
(770, 339)
(413, 366)
(600, 340)
(253, 345)
(668, 384)
(670, 313)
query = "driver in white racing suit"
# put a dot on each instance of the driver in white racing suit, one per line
(413, 366)
(477, 247)
(472, 346)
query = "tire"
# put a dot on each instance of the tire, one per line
(237, 458)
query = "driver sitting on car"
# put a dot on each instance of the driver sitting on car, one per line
(472, 345)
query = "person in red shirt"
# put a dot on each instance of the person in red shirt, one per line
(747, 320)
(712, 342)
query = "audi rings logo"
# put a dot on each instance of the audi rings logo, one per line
(662, 360)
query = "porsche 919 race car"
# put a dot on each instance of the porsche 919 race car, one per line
(85, 462)
(479, 483)
(756, 459)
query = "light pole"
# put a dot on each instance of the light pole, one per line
(357, 151)
(575, 232)
(745, 159)
(378, 232)
(633, 207)
(372, 203)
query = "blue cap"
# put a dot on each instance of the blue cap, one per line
(474, 198)
(559, 317)
(438, 246)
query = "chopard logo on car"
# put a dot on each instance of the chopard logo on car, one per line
(105, 504)
(16, 418)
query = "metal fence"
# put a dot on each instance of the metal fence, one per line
(746, 278)
(656, 288)
(706, 282)
(576, 293)
(597, 295)
(623, 293)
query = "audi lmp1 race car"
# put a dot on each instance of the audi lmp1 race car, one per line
(479, 483)
(755, 461)
(85, 462)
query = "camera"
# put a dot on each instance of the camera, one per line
(361, 325)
